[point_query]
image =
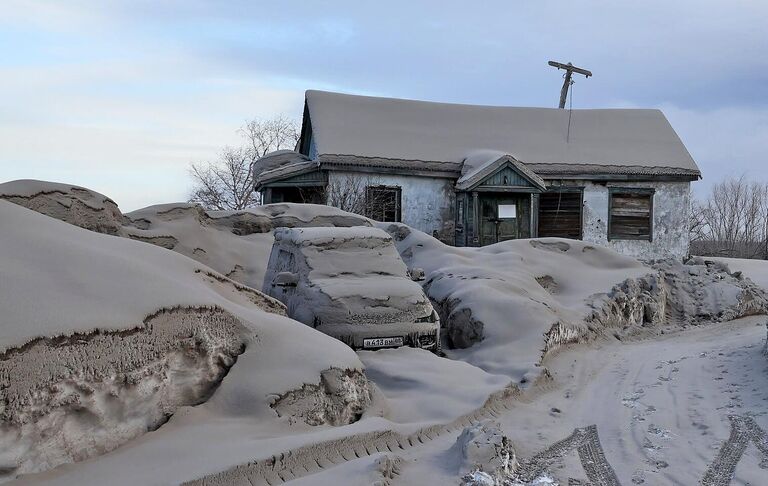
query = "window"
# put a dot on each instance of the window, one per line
(630, 214)
(560, 213)
(507, 211)
(382, 203)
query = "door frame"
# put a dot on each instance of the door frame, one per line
(499, 199)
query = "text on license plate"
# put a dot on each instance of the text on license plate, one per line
(383, 342)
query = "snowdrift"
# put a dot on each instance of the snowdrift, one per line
(754, 270)
(508, 296)
(234, 243)
(504, 307)
(104, 338)
(73, 204)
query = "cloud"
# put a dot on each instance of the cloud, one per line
(130, 145)
(725, 142)
(126, 94)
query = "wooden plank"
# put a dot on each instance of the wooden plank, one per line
(562, 207)
(560, 214)
(631, 206)
(631, 215)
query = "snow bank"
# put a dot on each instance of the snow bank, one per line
(510, 295)
(73, 204)
(234, 243)
(703, 290)
(483, 448)
(340, 398)
(423, 388)
(524, 298)
(103, 339)
(74, 397)
(754, 270)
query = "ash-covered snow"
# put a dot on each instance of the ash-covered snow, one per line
(533, 296)
(350, 282)
(484, 448)
(755, 270)
(422, 388)
(703, 290)
(509, 295)
(104, 338)
(74, 204)
(426, 131)
(234, 243)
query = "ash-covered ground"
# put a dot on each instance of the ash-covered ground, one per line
(136, 349)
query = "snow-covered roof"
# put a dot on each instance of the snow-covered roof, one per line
(620, 140)
(482, 164)
(278, 158)
(290, 167)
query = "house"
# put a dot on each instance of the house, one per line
(476, 175)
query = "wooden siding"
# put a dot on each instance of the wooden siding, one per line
(560, 214)
(313, 178)
(631, 215)
(506, 177)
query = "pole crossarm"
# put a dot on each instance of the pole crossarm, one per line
(569, 70)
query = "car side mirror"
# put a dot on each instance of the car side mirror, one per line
(417, 274)
(285, 279)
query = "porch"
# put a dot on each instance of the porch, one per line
(497, 201)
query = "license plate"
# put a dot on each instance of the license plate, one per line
(383, 342)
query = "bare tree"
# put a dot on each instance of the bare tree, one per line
(227, 182)
(732, 221)
(347, 193)
(264, 136)
(697, 223)
(358, 194)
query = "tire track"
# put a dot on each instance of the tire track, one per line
(744, 430)
(313, 458)
(586, 442)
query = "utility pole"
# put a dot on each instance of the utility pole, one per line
(569, 70)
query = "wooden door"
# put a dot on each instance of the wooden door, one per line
(499, 219)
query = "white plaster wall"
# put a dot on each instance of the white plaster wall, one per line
(427, 202)
(671, 205)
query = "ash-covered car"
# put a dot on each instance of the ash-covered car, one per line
(350, 283)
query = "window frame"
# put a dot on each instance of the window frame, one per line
(398, 202)
(559, 190)
(636, 191)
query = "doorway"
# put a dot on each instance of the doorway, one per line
(503, 217)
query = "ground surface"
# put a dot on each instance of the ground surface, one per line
(684, 408)
(661, 407)
(661, 411)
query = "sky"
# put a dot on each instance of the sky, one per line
(121, 97)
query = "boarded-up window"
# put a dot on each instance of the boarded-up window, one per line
(560, 214)
(382, 203)
(631, 215)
